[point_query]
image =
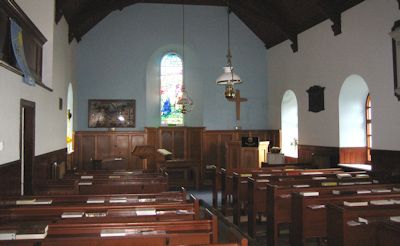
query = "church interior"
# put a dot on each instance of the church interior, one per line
(200, 122)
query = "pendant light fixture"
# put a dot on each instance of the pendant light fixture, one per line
(229, 78)
(185, 101)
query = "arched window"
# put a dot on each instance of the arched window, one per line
(368, 121)
(70, 127)
(353, 124)
(171, 89)
(290, 129)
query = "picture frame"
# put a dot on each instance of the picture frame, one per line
(107, 113)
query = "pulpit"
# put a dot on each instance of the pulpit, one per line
(240, 155)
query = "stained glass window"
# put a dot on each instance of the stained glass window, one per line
(171, 89)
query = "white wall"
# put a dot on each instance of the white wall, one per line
(363, 48)
(50, 121)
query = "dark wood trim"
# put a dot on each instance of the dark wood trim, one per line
(320, 156)
(386, 162)
(44, 164)
(10, 178)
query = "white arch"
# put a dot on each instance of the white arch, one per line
(352, 98)
(289, 124)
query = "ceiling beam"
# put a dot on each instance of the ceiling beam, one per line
(272, 14)
(330, 9)
(60, 4)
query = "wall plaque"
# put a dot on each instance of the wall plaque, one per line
(316, 98)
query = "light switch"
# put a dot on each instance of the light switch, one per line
(1, 145)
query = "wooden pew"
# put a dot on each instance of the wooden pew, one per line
(241, 189)
(226, 180)
(309, 213)
(194, 232)
(257, 196)
(343, 231)
(388, 234)
(104, 186)
(279, 203)
(107, 211)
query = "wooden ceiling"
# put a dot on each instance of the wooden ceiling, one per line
(273, 21)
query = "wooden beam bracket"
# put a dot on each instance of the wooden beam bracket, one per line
(333, 14)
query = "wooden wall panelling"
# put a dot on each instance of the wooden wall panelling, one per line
(195, 140)
(224, 138)
(210, 149)
(166, 139)
(121, 146)
(151, 136)
(179, 143)
(353, 155)
(88, 150)
(10, 178)
(321, 156)
(104, 146)
(136, 139)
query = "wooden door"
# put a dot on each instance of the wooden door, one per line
(27, 140)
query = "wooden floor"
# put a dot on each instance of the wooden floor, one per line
(206, 197)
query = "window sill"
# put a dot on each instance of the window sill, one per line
(364, 167)
(18, 72)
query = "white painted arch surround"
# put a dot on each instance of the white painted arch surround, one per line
(352, 98)
(289, 124)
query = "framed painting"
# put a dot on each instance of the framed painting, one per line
(111, 113)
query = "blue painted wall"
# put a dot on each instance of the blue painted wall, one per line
(119, 59)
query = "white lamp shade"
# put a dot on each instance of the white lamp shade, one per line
(228, 77)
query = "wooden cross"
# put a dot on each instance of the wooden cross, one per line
(238, 100)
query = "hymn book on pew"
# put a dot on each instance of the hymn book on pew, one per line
(395, 219)
(95, 214)
(95, 200)
(66, 215)
(8, 234)
(87, 177)
(316, 206)
(310, 193)
(32, 231)
(355, 204)
(145, 211)
(381, 202)
(118, 200)
(301, 186)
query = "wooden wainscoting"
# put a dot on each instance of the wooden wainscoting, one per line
(321, 156)
(353, 155)
(386, 161)
(101, 144)
(214, 142)
(10, 178)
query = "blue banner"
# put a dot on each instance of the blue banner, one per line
(18, 47)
